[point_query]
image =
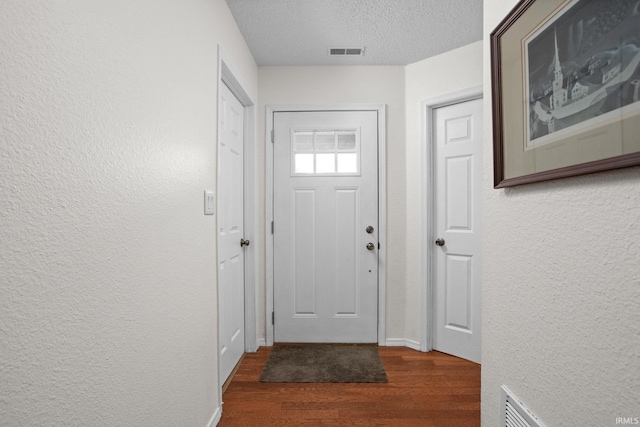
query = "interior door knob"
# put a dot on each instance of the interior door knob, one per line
(244, 243)
(440, 242)
(370, 246)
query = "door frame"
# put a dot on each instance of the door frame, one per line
(228, 76)
(382, 204)
(427, 206)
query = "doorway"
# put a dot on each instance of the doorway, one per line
(452, 224)
(235, 219)
(326, 226)
(326, 232)
(232, 244)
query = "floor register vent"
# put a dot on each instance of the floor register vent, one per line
(514, 413)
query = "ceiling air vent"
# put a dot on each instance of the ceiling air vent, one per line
(342, 51)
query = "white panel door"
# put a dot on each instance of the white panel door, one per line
(458, 182)
(230, 231)
(325, 197)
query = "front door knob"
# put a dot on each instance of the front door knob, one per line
(369, 229)
(370, 246)
(440, 242)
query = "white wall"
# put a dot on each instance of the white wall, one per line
(434, 77)
(561, 288)
(107, 141)
(351, 84)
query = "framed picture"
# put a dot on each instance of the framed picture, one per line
(566, 89)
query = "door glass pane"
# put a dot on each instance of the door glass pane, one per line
(325, 152)
(304, 163)
(325, 163)
(325, 141)
(347, 141)
(347, 163)
(303, 141)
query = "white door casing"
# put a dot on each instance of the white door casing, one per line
(458, 222)
(230, 231)
(325, 278)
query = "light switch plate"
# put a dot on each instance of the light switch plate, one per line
(209, 203)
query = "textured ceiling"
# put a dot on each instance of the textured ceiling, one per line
(393, 32)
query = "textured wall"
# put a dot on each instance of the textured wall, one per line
(441, 75)
(107, 141)
(561, 299)
(331, 85)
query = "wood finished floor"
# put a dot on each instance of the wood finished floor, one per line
(424, 389)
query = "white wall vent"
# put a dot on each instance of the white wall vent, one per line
(514, 413)
(343, 51)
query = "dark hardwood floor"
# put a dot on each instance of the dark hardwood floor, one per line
(424, 389)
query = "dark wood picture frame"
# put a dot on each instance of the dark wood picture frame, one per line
(503, 117)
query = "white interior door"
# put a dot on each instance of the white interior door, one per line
(458, 224)
(230, 231)
(325, 198)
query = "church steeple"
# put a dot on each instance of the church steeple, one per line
(559, 94)
(556, 58)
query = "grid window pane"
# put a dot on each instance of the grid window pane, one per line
(325, 163)
(325, 141)
(347, 162)
(304, 163)
(347, 141)
(303, 141)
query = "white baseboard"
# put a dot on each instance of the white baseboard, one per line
(391, 342)
(399, 342)
(215, 419)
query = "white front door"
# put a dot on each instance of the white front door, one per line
(230, 231)
(325, 198)
(458, 224)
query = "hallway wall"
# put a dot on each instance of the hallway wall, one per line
(107, 142)
(561, 300)
(401, 89)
